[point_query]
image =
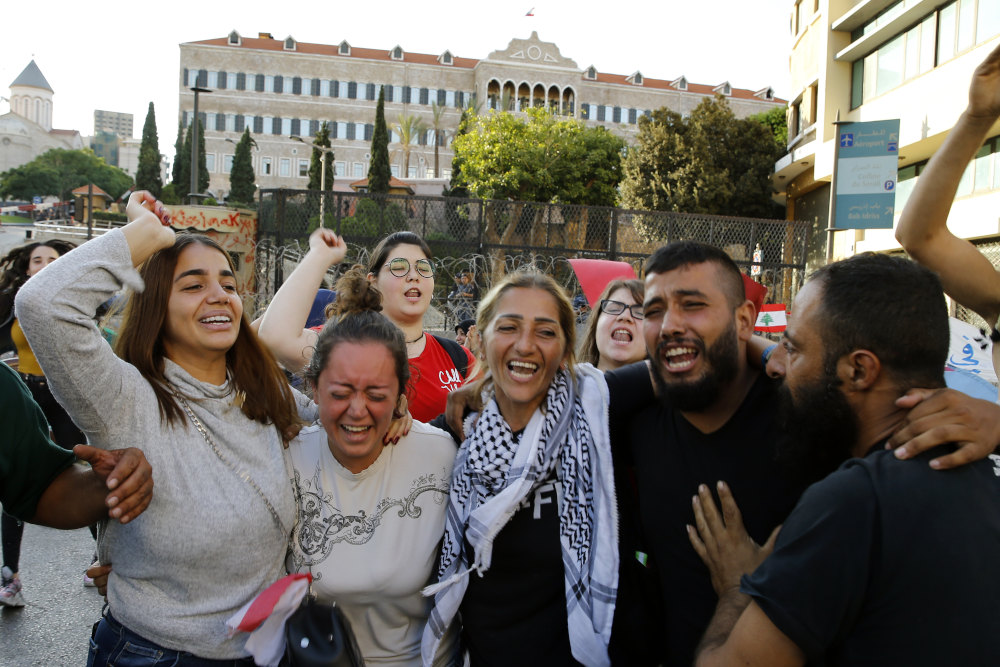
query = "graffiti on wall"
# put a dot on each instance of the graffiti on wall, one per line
(235, 231)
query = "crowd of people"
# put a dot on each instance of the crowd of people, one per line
(670, 490)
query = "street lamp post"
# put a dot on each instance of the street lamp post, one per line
(322, 175)
(193, 194)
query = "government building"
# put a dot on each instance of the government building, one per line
(868, 60)
(282, 88)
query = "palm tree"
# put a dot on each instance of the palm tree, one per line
(408, 127)
(439, 134)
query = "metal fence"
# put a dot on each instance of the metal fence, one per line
(491, 238)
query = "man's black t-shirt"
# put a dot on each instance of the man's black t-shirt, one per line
(515, 614)
(890, 562)
(669, 458)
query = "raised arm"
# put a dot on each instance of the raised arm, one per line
(966, 274)
(282, 328)
(56, 311)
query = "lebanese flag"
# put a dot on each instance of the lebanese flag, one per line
(264, 617)
(771, 318)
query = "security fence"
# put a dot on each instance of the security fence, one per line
(491, 238)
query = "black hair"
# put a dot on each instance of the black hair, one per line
(681, 254)
(891, 306)
(464, 325)
(356, 317)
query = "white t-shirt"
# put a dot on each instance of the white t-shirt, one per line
(372, 538)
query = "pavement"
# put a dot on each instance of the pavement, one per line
(53, 628)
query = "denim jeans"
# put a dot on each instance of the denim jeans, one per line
(112, 644)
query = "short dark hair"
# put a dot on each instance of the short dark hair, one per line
(681, 254)
(891, 306)
(464, 325)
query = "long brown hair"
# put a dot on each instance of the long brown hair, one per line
(588, 346)
(252, 367)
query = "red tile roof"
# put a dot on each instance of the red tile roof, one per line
(83, 189)
(467, 63)
(393, 183)
(333, 50)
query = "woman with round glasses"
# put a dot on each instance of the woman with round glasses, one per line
(613, 338)
(401, 268)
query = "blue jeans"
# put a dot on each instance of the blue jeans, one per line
(112, 644)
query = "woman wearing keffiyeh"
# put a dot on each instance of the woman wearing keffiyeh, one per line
(543, 429)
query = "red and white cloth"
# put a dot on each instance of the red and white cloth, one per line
(264, 617)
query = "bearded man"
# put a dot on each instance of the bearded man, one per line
(882, 562)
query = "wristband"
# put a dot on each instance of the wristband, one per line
(766, 355)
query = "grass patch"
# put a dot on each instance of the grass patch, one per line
(14, 219)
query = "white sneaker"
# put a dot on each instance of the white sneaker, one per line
(10, 589)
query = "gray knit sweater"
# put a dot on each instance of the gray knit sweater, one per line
(207, 544)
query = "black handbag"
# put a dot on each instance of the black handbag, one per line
(319, 635)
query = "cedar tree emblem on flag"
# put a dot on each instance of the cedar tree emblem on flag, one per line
(771, 318)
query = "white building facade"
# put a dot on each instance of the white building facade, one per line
(866, 60)
(284, 88)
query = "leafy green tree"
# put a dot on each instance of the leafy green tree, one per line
(148, 176)
(58, 171)
(176, 172)
(456, 187)
(710, 162)
(409, 128)
(776, 119)
(542, 158)
(241, 179)
(379, 172)
(322, 138)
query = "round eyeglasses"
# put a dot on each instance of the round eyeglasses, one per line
(400, 267)
(617, 308)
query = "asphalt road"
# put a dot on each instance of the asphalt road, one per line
(53, 628)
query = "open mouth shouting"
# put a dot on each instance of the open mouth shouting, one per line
(622, 335)
(413, 294)
(679, 357)
(522, 370)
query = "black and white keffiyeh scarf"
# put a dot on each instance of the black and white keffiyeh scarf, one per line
(493, 473)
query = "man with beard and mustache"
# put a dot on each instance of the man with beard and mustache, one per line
(881, 562)
(714, 420)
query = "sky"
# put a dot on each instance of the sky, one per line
(120, 56)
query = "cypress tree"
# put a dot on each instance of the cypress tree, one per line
(315, 167)
(202, 160)
(184, 158)
(147, 176)
(241, 178)
(379, 172)
(175, 173)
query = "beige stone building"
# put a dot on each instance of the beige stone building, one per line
(872, 60)
(281, 88)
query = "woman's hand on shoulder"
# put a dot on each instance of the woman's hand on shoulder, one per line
(325, 243)
(148, 229)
